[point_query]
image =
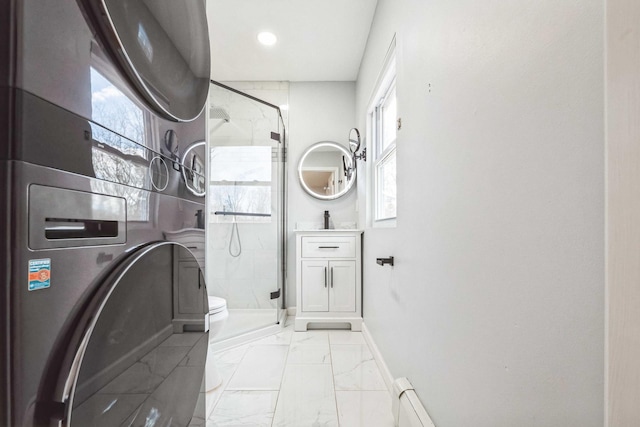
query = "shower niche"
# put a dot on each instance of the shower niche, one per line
(246, 193)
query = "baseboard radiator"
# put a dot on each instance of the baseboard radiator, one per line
(407, 408)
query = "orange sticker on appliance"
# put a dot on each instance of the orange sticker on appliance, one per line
(39, 274)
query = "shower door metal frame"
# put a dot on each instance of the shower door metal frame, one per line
(282, 139)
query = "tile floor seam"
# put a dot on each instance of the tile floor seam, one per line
(273, 418)
(235, 364)
(256, 347)
(286, 360)
(215, 404)
(333, 381)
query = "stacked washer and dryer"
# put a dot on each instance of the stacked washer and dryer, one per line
(104, 321)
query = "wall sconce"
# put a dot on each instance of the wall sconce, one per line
(354, 146)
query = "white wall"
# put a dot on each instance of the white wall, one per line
(623, 212)
(318, 111)
(495, 308)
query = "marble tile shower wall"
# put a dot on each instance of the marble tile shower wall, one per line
(250, 123)
(247, 280)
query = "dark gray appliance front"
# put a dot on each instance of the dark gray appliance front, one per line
(94, 338)
(91, 184)
(160, 47)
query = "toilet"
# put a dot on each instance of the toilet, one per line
(217, 316)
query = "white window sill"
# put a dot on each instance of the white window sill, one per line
(384, 223)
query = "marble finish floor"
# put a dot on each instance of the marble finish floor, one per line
(299, 379)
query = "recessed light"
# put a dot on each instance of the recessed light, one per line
(267, 38)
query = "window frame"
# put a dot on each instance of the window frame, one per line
(239, 183)
(386, 86)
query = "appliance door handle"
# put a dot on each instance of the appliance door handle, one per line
(325, 277)
(332, 277)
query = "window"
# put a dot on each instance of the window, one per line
(382, 120)
(240, 182)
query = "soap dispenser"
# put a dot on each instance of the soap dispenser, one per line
(326, 220)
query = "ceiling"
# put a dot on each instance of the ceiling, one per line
(318, 40)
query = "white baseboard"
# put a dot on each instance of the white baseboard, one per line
(382, 366)
(411, 411)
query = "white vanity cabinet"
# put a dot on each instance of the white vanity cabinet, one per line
(329, 278)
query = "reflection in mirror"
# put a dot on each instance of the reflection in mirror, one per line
(326, 170)
(354, 140)
(118, 153)
(193, 168)
(116, 110)
(163, 47)
(137, 352)
(171, 143)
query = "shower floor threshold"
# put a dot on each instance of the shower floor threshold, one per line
(244, 325)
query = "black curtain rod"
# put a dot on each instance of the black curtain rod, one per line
(240, 213)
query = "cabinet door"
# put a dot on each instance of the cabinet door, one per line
(190, 295)
(342, 280)
(315, 286)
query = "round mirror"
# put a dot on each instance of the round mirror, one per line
(326, 170)
(193, 168)
(354, 140)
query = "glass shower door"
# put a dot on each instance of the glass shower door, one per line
(245, 202)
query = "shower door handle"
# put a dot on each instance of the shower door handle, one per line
(325, 277)
(332, 277)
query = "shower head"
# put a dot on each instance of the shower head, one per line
(219, 113)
